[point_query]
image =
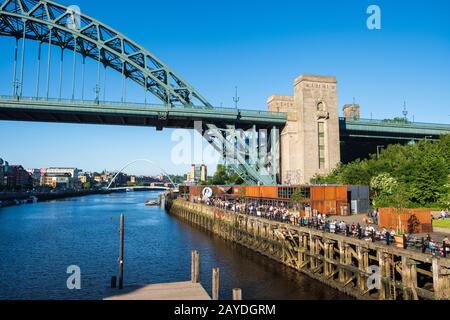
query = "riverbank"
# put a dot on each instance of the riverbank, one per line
(84, 232)
(8, 199)
(340, 262)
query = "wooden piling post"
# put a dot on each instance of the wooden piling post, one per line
(326, 252)
(312, 252)
(121, 251)
(299, 252)
(348, 262)
(413, 279)
(317, 244)
(406, 281)
(363, 264)
(436, 282)
(195, 267)
(215, 283)
(441, 280)
(382, 263)
(237, 294)
(342, 255)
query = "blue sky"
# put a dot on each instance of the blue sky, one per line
(259, 46)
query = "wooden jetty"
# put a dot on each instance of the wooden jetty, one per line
(179, 291)
(165, 291)
(344, 263)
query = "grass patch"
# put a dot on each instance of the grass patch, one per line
(444, 223)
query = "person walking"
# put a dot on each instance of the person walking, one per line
(445, 246)
(424, 246)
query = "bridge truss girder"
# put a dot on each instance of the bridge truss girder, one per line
(56, 25)
(255, 161)
(48, 22)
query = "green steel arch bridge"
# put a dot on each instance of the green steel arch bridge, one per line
(168, 100)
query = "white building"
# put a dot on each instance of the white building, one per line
(73, 172)
(64, 176)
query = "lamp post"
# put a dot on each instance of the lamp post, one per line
(236, 99)
(405, 112)
(378, 151)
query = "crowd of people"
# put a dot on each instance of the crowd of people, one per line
(280, 212)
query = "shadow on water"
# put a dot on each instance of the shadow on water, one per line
(259, 277)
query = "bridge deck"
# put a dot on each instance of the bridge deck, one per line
(165, 291)
(160, 116)
(131, 114)
(385, 129)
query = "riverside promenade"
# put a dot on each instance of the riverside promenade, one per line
(13, 198)
(359, 268)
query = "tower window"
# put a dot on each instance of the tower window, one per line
(322, 149)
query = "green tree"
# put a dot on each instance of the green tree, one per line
(220, 177)
(242, 193)
(87, 185)
(400, 201)
(396, 120)
(223, 176)
(422, 168)
(382, 187)
(297, 198)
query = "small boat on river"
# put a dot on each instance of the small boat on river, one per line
(150, 203)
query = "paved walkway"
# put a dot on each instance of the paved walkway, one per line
(362, 218)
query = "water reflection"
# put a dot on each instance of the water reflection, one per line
(39, 241)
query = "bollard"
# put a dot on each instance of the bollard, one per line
(113, 282)
(237, 294)
(444, 248)
(121, 253)
(405, 242)
(195, 267)
(215, 284)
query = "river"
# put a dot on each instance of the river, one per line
(38, 242)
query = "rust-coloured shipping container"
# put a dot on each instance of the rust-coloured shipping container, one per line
(343, 208)
(252, 192)
(338, 193)
(330, 193)
(342, 194)
(390, 218)
(333, 199)
(330, 200)
(269, 192)
(317, 193)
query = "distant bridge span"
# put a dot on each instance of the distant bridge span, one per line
(143, 188)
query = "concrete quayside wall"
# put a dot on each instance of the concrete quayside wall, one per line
(359, 268)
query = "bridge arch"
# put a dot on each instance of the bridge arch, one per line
(135, 161)
(52, 23)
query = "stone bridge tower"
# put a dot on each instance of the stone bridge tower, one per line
(310, 141)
